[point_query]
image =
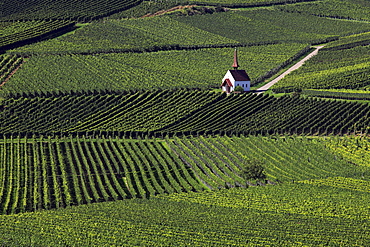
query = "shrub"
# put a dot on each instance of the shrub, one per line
(253, 169)
(239, 89)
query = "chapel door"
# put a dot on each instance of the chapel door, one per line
(227, 88)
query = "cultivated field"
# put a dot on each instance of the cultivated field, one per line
(114, 130)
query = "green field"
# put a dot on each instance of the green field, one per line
(286, 215)
(61, 9)
(343, 9)
(349, 94)
(342, 68)
(46, 173)
(138, 71)
(8, 64)
(195, 113)
(21, 33)
(114, 130)
(233, 27)
(350, 41)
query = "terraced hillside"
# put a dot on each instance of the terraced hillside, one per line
(145, 71)
(86, 170)
(21, 33)
(331, 69)
(47, 173)
(232, 28)
(61, 9)
(195, 113)
(115, 133)
(311, 214)
(353, 9)
(8, 65)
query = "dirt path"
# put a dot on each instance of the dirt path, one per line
(294, 67)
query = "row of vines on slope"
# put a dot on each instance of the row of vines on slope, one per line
(347, 68)
(15, 34)
(45, 173)
(220, 161)
(341, 9)
(354, 149)
(62, 10)
(194, 113)
(268, 115)
(257, 26)
(150, 70)
(348, 42)
(271, 25)
(338, 93)
(53, 173)
(8, 64)
(286, 215)
(141, 111)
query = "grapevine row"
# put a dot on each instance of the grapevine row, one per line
(352, 10)
(302, 214)
(8, 64)
(219, 162)
(330, 69)
(173, 69)
(261, 114)
(338, 94)
(50, 173)
(145, 111)
(71, 10)
(36, 32)
(155, 114)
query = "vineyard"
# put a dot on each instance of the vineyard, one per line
(268, 115)
(153, 114)
(340, 182)
(354, 149)
(114, 130)
(138, 71)
(54, 173)
(127, 35)
(45, 173)
(63, 10)
(210, 30)
(287, 215)
(350, 41)
(278, 26)
(13, 35)
(8, 64)
(146, 111)
(338, 94)
(145, 8)
(347, 68)
(353, 9)
(284, 159)
(243, 3)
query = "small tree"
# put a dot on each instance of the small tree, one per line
(239, 89)
(253, 169)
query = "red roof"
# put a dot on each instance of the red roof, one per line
(240, 75)
(228, 82)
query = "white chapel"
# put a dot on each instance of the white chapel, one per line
(235, 77)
